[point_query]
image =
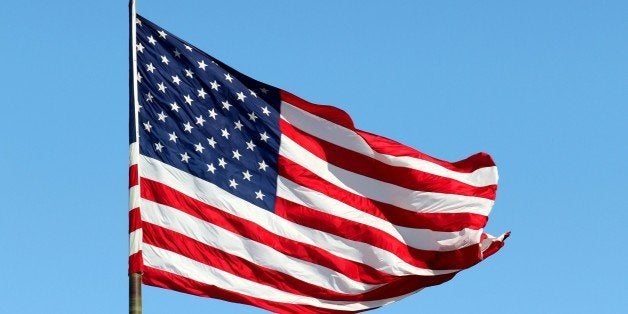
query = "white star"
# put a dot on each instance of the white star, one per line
(259, 195)
(211, 168)
(188, 127)
(177, 54)
(151, 40)
(158, 147)
(241, 96)
(185, 157)
(139, 77)
(173, 137)
(199, 147)
(162, 87)
(202, 65)
(188, 99)
(247, 175)
(140, 47)
(200, 120)
(201, 93)
(189, 73)
(165, 60)
(174, 106)
(266, 111)
(188, 47)
(229, 78)
(138, 22)
(162, 34)
(176, 80)
(215, 85)
(149, 97)
(211, 142)
(250, 145)
(225, 133)
(253, 93)
(226, 105)
(150, 68)
(222, 163)
(233, 184)
(212, 113)
(262, 165)
(236, 154)
(147, 126)
(238, 125)
(252, 116)
(162, 116)
(263, 90)
(264, 136)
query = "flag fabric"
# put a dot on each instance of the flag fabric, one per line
(247, 193)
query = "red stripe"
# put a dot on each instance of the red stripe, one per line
(200, 252)
(405, 177)
(133, 174)
(382, 144)
(163, 279)
(208, 255)
(330, 113)
(404, 285)
(397, 216)
(136, 263)
(456, 259)
(162, 194)
(135, 221)
(387, 146)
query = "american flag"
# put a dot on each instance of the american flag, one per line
(247, 193)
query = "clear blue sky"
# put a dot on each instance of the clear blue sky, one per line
(541, 86)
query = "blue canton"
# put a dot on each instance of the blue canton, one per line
(203, 117)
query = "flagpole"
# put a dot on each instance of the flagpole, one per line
(135, 293)
(135, 279)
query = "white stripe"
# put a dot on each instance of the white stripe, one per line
(348, 139)
(180, 265)
(417, 201)
(252, 251)
(134, 191)
(134, 152)
(135, 241)
(134, 197)
(486, 243)
(423, 239)
(212, 195)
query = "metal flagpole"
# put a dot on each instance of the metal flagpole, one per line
(135, 279)
(135, 293)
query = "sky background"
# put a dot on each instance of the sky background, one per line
(542, 87)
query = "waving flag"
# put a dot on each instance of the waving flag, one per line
(247, 193)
